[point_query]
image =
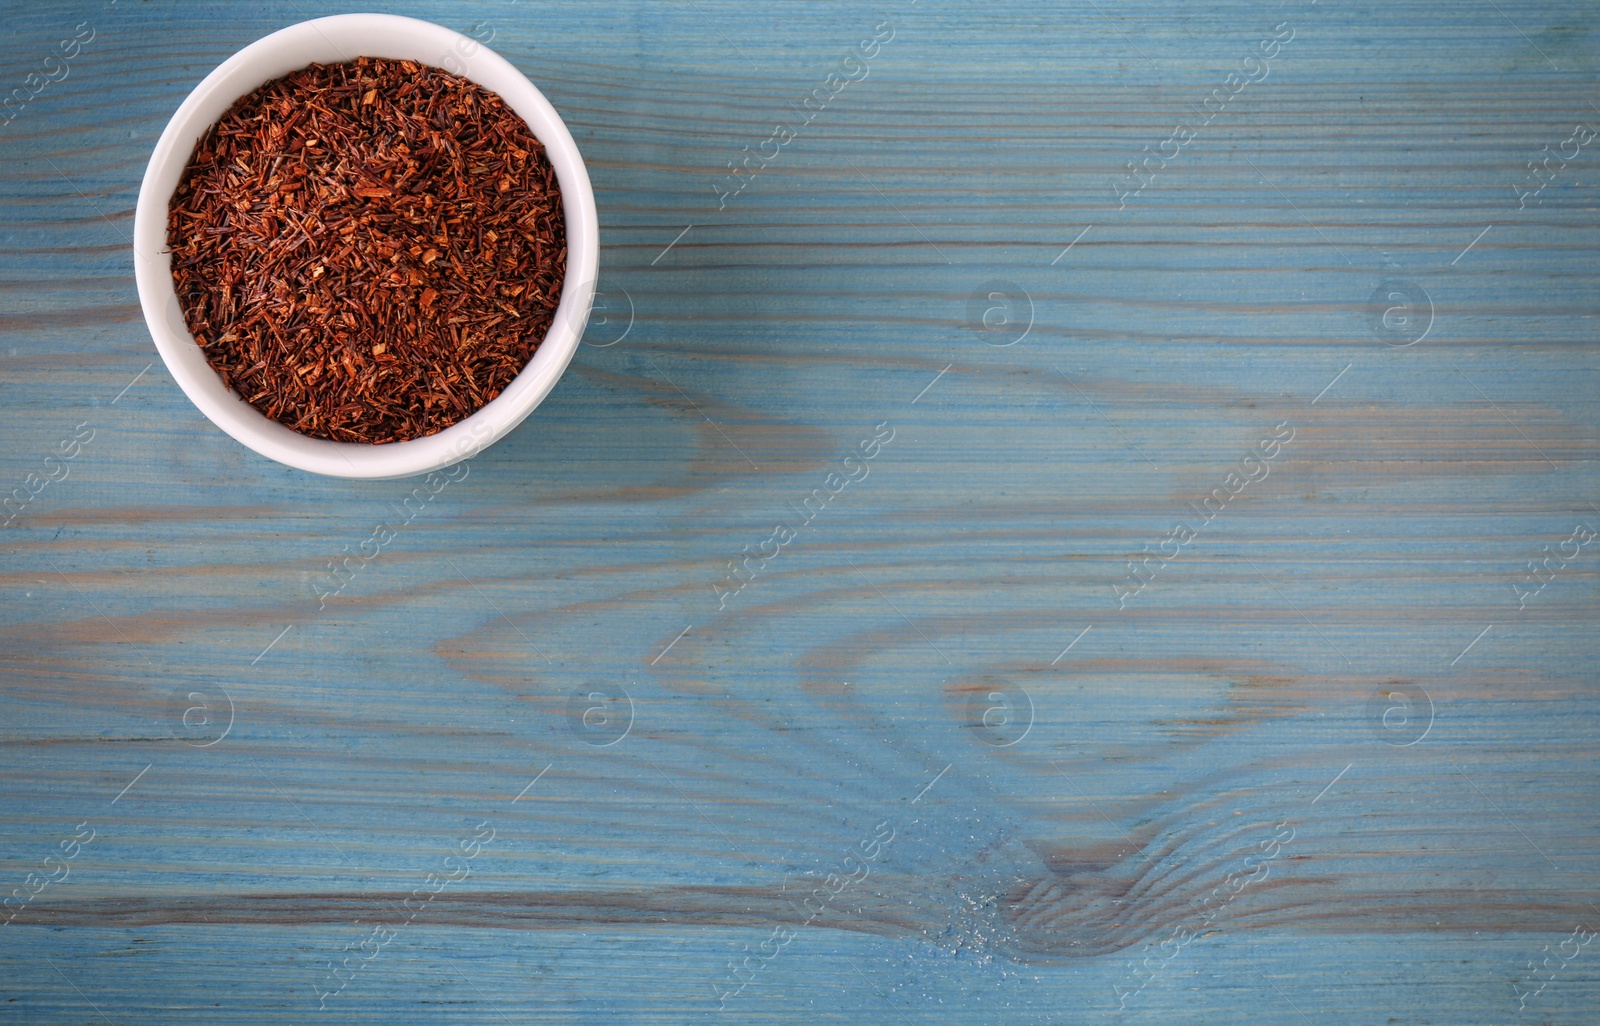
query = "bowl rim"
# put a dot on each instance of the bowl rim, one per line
(258, 63)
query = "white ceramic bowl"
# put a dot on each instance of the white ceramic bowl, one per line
(326, 41)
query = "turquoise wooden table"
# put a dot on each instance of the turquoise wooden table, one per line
(1066, 513)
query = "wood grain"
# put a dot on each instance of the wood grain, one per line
(1217, 813)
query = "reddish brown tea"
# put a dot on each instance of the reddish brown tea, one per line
(370, 251)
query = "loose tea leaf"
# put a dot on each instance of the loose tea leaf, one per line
(369, 251)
